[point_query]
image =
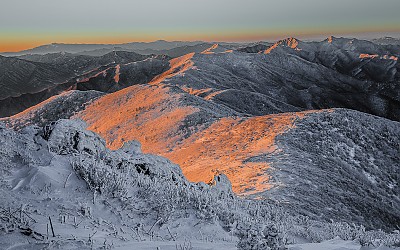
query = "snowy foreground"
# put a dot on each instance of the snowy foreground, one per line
(62, 180)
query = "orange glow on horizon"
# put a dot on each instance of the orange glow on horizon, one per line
(17, 46)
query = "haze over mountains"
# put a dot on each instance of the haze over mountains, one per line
(311, 126)
(82, 48)
(145, 48)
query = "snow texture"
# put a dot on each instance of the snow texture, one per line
(62, 178)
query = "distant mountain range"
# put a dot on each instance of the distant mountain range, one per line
(146, 48)
(86, 48)
(387, 41)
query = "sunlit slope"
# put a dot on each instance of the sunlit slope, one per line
(230, 146)
(191, 132)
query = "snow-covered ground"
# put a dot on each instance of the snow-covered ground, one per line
(334, 244)
(62, 178)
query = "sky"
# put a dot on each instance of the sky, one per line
(29, 23)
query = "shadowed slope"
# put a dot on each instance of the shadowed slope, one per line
(34, 73)
(57, 107)
(342, 164)
(80, 64)
(360, 59)
(104, 78)
(286, 80)
(19, 76)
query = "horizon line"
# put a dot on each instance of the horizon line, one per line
(308, 37)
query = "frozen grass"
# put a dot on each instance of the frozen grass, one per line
(120, 199)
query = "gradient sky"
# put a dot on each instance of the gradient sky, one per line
(29, 23)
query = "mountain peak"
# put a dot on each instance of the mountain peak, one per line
(330, 39)
(290, 42)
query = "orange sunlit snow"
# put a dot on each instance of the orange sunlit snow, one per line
(155, 115)
(117, 69)
(385, 57)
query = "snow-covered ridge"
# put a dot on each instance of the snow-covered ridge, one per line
(216, 48)
(62, 179)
